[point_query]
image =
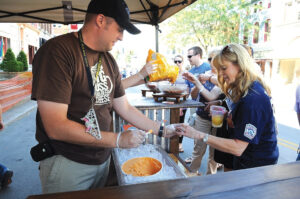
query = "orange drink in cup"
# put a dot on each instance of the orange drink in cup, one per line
(217, 115)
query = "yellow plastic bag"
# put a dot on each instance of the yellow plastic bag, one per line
(164, 71)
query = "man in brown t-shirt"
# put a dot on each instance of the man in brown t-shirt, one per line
(77, 84)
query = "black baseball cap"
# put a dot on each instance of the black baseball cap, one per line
(116, 9)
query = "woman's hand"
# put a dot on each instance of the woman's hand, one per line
(169, 131)
(204, 77)
(209, 104)
(188, 131)
(148, 69)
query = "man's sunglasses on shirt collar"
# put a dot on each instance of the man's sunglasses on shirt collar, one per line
(177, 61)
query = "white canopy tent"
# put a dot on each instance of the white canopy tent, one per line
(150, 12)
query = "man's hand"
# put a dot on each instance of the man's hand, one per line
(131, 138)
(148, 69)
(192, 78)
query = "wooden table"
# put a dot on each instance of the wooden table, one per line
(269, 182)
(148, 103)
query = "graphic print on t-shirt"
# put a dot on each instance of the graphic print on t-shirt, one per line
(102, 84)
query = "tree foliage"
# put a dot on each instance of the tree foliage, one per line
(10, 64)
(207, 23)
(22, 58)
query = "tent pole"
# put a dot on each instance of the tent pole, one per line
(156, 38)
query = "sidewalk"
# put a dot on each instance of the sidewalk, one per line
(18, 111)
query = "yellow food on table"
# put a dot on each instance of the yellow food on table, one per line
(164, 70)
(143, 166)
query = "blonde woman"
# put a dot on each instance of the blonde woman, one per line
(204, 91)
(251, 123)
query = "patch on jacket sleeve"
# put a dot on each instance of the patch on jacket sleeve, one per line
(250, 131)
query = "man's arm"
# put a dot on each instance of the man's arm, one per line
(134, 116)
(59, 127)
(133, 80)
(138, 78)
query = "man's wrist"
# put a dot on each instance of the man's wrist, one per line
(140, 75)
(161, 130)
(146, 79)
(118, 139)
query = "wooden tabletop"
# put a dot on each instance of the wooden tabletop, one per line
(269, 182)
(141, 102)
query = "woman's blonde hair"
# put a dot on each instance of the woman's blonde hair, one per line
(239, 56)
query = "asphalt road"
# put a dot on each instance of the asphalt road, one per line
(18, 137)
(15, 142)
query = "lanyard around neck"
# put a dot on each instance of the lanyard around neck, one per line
(86, 64)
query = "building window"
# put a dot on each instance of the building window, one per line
(256, 33)
(267, 30)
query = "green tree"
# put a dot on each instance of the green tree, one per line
(9, 63)
(207, 23)
(22, 58)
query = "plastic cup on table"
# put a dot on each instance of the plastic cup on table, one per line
(217, 115)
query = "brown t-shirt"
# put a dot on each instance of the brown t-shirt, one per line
(59, 75)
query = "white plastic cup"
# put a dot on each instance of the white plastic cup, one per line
(217, 115)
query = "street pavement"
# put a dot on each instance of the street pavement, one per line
(19, 136)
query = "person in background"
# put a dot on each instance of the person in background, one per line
(252, 123)
(5, 173)
(178, 60)
(203, 120)
(77, 85)
(297, 105)
(198, 67)
(211, 75)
